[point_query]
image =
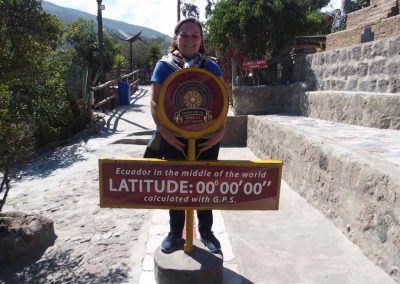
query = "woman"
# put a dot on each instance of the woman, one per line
(186, 50)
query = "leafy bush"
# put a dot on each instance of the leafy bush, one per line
(16, 142)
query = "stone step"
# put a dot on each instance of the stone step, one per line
(351, 173)
(379, 110)
(382, 29)
(370, 14)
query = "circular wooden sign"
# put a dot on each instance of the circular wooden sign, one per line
(193, 102)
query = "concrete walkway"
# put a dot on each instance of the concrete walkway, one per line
(296, 244)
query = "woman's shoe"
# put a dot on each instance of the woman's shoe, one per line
(170, 242)
(211, 242)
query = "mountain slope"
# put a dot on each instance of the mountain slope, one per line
(67, 15)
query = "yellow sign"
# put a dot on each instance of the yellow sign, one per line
(193, 103)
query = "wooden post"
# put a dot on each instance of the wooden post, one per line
(91, 105)
(189, 212)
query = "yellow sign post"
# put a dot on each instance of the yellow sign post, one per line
(189, 212)
(193, 103)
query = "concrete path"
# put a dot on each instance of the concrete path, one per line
(296, 244)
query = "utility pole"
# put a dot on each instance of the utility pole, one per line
(178, 12)
(100, 7)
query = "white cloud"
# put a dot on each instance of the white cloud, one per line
(159, 15)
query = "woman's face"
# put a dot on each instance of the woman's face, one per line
(189, 39)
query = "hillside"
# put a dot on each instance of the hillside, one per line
(66, 15)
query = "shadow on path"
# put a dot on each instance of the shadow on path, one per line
(61, 266)
(116, 117)
(62, 157)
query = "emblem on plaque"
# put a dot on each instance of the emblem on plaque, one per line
(193, 102)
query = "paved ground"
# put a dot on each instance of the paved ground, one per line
(296, 244)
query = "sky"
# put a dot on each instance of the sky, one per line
(159, 15)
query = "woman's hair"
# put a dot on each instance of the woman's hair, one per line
(173, 46)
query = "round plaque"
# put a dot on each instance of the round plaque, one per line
(193, 102)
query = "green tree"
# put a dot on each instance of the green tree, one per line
(120, 64)
(154, 54)
(209, 8)
(190, 10)
(142, 58)
(318, 4)
(358, 4)
(16, 142)
(34, 106)
(81, 34)
(259, 28)
(26, 34)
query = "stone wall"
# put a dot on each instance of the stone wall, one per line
(378, 110)
(357, 191)
(357, 85)
(235, 132)
(268, 99)
(368, 67)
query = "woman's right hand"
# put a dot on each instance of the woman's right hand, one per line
(167, 134)
(171, 138)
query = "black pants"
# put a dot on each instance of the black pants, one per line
(177, 217)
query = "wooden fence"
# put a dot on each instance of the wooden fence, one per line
(132, 79)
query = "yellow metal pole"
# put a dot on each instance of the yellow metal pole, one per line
(189, 212)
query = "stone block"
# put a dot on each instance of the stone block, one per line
(394, 68)
(367, 52)
(368, 85)
(352, 70)
(235, 132)
(352, 84)
(377, 67)
(380, 48)
(343, 70)
(24, 237)
(362, 70)
(394, 85)
(379, 110)
(267, 99)
(335, 70)
(342, 54)
(334, 57)
(383, 85)
(356, 53)
(394, 47)
(198, 266)
(340, 85)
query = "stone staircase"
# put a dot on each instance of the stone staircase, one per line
(378, 10)
(379, 20)
(337, 132)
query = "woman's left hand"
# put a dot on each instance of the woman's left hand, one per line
(212, 139)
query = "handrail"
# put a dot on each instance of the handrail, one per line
(93, 89)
